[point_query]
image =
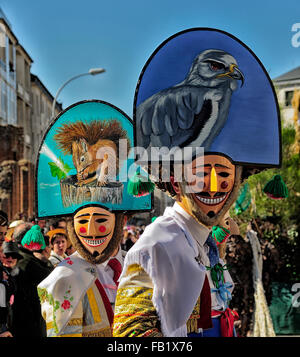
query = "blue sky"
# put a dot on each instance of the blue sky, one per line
(65, 38)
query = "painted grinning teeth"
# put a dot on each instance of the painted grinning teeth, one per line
(94, 243)
(210, 201)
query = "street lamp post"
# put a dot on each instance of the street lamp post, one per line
(92, 71)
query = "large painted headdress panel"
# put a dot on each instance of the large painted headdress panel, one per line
(204, 88)
(84, 159)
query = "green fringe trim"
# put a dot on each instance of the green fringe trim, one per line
(216, 273)
(140, 185)
(276, 188)
(220, 234)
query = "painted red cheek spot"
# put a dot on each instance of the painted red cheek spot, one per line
(82, 230)
(102, 229)
(224, 184)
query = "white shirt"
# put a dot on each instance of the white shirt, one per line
(167, 252)
(200, 234)
(197, 231)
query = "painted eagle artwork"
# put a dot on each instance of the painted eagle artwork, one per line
(194, 111)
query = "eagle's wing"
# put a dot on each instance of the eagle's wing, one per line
(167, 117)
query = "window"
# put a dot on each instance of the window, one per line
(288, 98)
(2, 50)
(3, 100)
(27, 76)
(11, 62)
(12, 118)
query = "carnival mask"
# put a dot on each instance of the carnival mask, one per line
(94, 226)
(216, 179)
(211, 188)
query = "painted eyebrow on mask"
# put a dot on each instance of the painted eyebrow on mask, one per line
(209, 165)
(83, 215)
(222, 166)
(94, 214)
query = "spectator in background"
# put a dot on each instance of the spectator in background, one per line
(27, 318)
(3, 297)
(58, 223)
(3, 226)
(62, 223)
(11, 228)
(44, 254)
(131, 239)
(10, 257)
(41, 222)
(3, 302)
(3, 277)
(123, 241)
(59, 242)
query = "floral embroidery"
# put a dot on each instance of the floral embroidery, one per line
(66, 305)
(69, 261)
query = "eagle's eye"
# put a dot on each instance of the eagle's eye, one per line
(215, 66)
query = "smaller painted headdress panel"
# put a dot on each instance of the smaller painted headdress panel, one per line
(204, 88)
(85, 158)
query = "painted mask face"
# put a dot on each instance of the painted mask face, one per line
(213, 184)
(94, 226)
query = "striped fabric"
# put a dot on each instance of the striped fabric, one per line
(92, 317)
(135, 315)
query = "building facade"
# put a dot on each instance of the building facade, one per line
(25, 111)
(287, 85)
(42, 101)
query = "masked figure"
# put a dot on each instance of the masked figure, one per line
(77, 298)
(216, 96)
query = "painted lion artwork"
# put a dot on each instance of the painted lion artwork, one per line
(94, 147)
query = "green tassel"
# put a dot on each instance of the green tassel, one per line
(220, 234)
(276, 188)
(244, 199)
(140, 185)
(34, 239)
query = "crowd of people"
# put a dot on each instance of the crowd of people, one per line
(131, 234)
(22, 268)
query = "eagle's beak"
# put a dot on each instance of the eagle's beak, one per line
(237, 74)
(234, 72)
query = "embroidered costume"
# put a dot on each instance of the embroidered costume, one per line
(206, 117)
(84, 143)
(74, 309)
(150, 262)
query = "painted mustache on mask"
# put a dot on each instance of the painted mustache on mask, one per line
(94, 237)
